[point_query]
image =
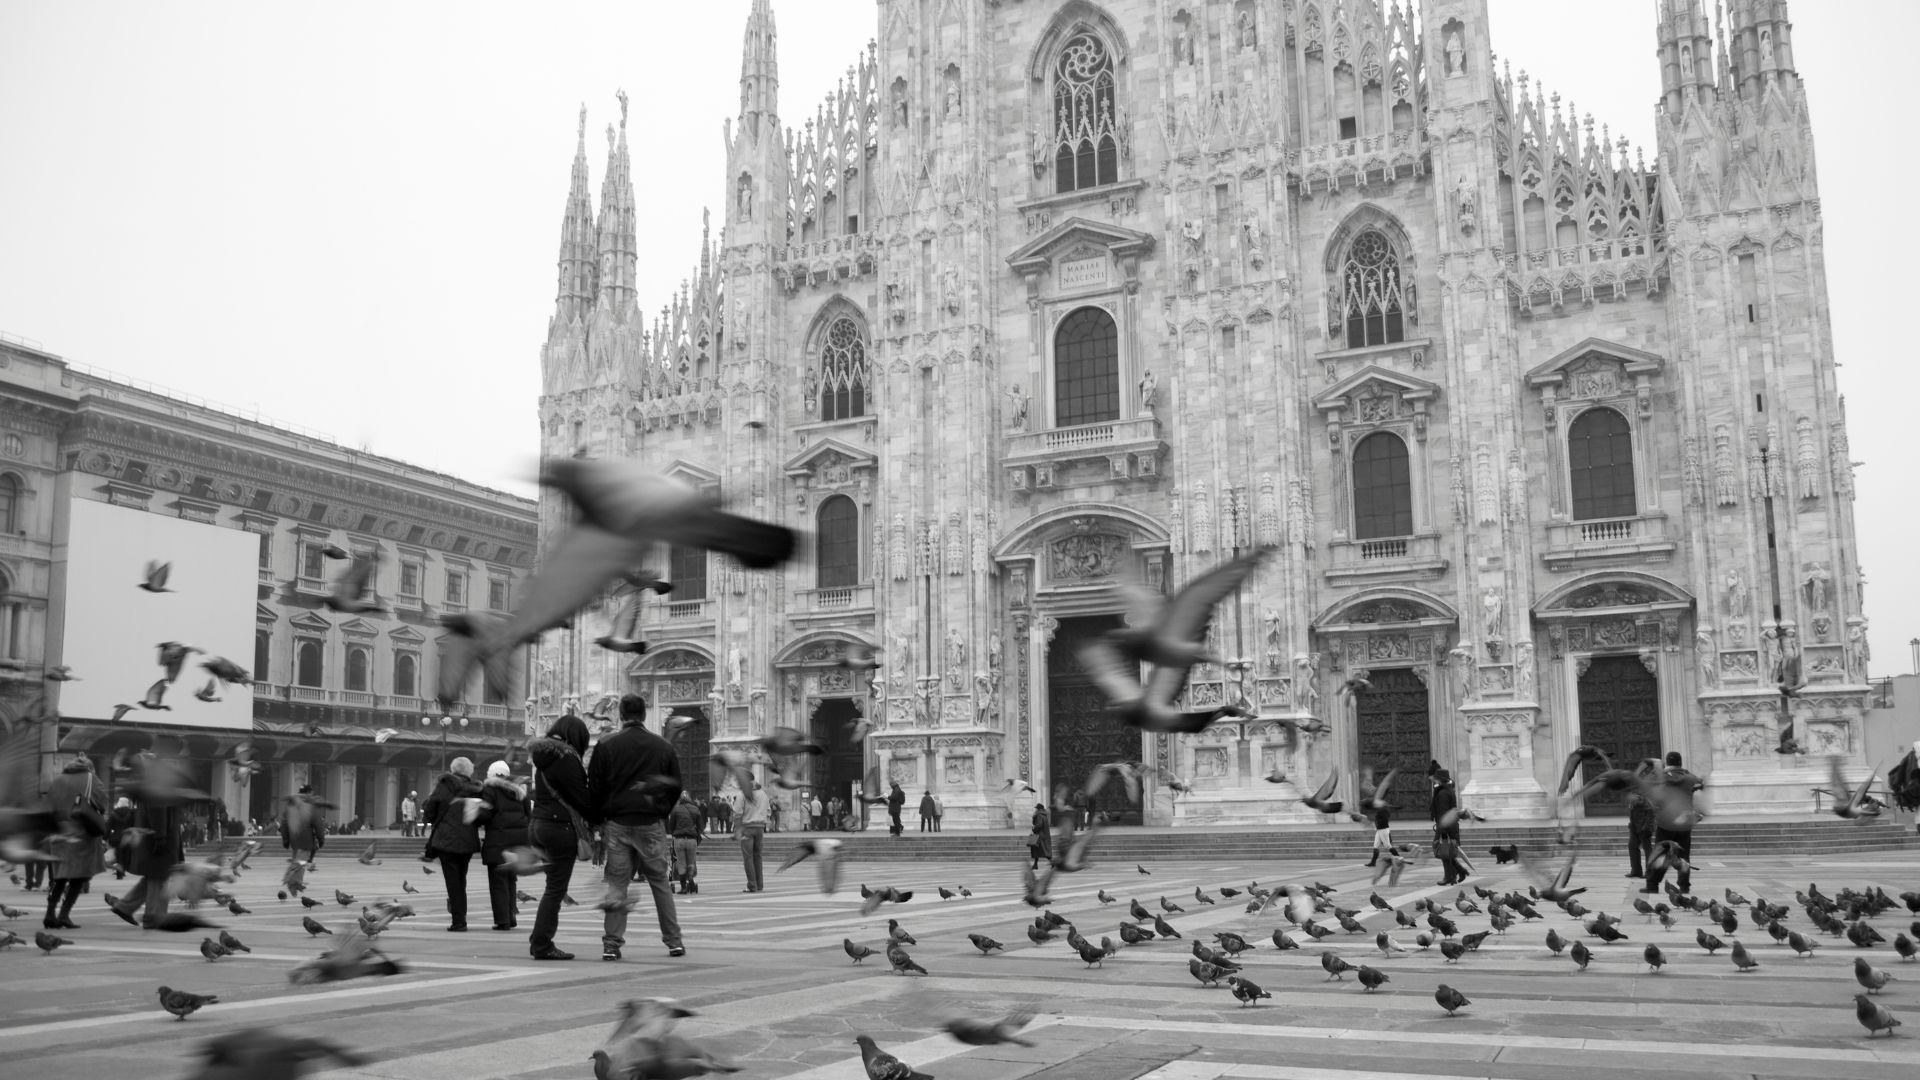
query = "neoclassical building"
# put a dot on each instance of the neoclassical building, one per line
(1049, 296)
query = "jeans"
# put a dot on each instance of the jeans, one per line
(562, 846)
(750, 854)
(455, 868)
(1684, 842)
(642, 849)
(150, 894)
(1639, 846)
(686, 858)
(502, 883)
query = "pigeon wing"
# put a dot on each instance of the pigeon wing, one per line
(1111, 673)
(1190, 609)
(577, 570)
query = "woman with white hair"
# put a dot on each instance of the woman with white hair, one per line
(503, 814)
(452, 810)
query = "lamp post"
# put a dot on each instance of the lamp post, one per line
(446, 725)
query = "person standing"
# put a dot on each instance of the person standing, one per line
(754, 808)
(929, 813)
(503, 817)
(557, 822)
(410, 815)
(686, 825)
(454, 839)
(818, 813)
(1445, 811)
(896, 801)
(1382, 833)
(118, 822)
(313, 836)
(79, 802)
(773, 815)
(1640, 820)
(1673, 823)
(939, 811)
(634, 780)
(1040, 840)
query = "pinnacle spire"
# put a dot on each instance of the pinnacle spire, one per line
(760, 64)
(617, 245)
(577, 284)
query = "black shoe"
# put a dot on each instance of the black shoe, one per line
(609, 952)
(501, 926)
(125, 916)
(1635, 874)
(677, 950)
(457, 928)
(552, 954)
(65, 923)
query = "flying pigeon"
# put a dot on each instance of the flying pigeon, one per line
(154, 580)
(261, 1054)
(991, 1032)
(1322, 800)
(155, 697)
(182, 1004)
(352, 592)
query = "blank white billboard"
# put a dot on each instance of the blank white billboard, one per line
(114, 627)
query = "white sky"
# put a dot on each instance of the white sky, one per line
(346, 215)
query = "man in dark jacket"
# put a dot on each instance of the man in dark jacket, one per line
(150, 849)
(557, 816)
(896, 801)
(686, 825)
(1673, 822)
(1444, 809)
(633, 781)
(1639, 833)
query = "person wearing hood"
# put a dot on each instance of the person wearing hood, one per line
(686, 826)
(896, 800)
(1446, 824)
(1674, 823)
(314, 836)
(79, 802)
(503, 819)
(452, 811)
(557, 818)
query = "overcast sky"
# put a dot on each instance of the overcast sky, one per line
(346, 215)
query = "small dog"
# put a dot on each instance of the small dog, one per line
(1504, 855)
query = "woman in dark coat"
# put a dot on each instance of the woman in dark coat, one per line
(503, 817)
(78, 800)
(896, 799)
(558, 815)
(454, 838)
(1040, 841)
(1443, 809)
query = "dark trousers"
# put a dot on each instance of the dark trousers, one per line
(750, 851)
(151, 894)
(1639, 846)
(1454, 872)
(562, 846)
(455, 869)
(36, 873)
(926, 823)
(1683, 841)
(893, 817)
(502, 883)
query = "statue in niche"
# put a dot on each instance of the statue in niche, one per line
(1149, 392)
(1493, 606)
(1460, 658)
(1705, 655)
(1194, 232)
(1017, 405)
(900, 106)
(1182, 45)
(1306, 682)
(1766, 45)
(950, 289)
(1271, 620)
(1255, 238)
(1736, 593)
(1857, 652)
(743, 197)
(993, 651)
(1817, 587)
(1247, 38)
(1523, 670)
(986, 705)
(1456, 55)
(1466, 204)
(953, 98)
(736, 667)
(956, 649)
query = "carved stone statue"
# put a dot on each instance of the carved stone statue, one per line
(956, 649)
(1194, 233)
(1493, 606)
(1182, 46)
(1255, 235)
(1461, 659)
(1247, 38)
(986, 702)
(993, 651)
(1466, 204)
(1018, 404)
(1306, 682)
(1736, 594)
(953, 99)
(1149, 391)
(1523, 670)
(1271, 620)
(1456, 55)
(1770, 646)
(950, 290)
(1706, 657)
(736, 667)
(743, 197)
(1857, 652)
(1817, 587)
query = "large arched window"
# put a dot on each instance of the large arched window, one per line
(1086, 369)
(1373, 299)
(1085, 139)
(1382, 489)
(838, 557)
(1600, 464)
(843, 371)
(406, 674)
(359, 669)
(10, 505)
(307, 664)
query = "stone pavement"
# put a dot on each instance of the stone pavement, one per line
(775, 992)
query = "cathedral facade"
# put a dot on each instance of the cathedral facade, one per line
(1047, 300)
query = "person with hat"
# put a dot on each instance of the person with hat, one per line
(505, 824)
(1444, 809)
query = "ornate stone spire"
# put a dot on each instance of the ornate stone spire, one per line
(577, 264)
(617, 247)
(1686, 56)
(759, 65)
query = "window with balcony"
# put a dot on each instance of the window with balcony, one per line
(837, 561)
(308, 664)
(1086, 368)
(410, 573)
(12, 621)
(1086, 137)
(262, 653)
(1382, 488)
(312, 562)
(687, 570)
(497, 594)
(266, 551)
(1600, 465)
(406, 674)
(359, 668)
(489, 695)
(456, 587)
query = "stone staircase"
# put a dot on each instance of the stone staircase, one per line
(1308, 843)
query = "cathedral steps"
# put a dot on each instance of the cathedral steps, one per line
(1314, 843)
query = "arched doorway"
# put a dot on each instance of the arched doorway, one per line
(836, 771)
(693, 744)
(1081, 734)
(1393, 730)
(1619, 714)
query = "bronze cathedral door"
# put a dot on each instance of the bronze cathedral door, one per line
(1620, 714)
(1081, 734)
(1394, 731)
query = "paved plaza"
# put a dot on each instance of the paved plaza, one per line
(775, 992)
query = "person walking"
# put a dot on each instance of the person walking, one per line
(504, 821)
(818, 813)
(929, 814)
(410, 815)
(896, 801)
(1673, 824)
(313, 836)
(150, 849)
(1640, 820)
(557, 822)
(119, 820)
(1444, 809)
(1382, 833)
(1040, 840)
(634, 780)
(836, 814)
(451, 812)
(754, 806)
(79, 803)
(686, 825)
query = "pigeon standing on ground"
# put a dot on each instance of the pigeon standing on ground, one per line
(1450, 999)
(182, 1004)
(212, 949)
(1869, 976)
(858, 952)
(1873, 1016)
(48, 942)
(984, 943)
(881, 1065)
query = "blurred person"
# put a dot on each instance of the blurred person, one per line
(79, 803)
(754, 805)
(687, 826)
(454, 838)
(410, 815)
(1674, 823)
(896, 801)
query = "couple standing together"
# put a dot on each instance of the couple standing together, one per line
(628, 791)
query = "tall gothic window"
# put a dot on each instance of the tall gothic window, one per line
(843, 371)
(9, 505)
(838, 552)
(1085, 139)
(1086, 369)
(687, 570)
(1382, 490)
(1371, 292)
(1600, 464)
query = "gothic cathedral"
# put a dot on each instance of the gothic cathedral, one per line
(1051, 302)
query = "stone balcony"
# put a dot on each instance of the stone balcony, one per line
(843, 603)
(1131, 448)
(1390, 558)
(1606, 541)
